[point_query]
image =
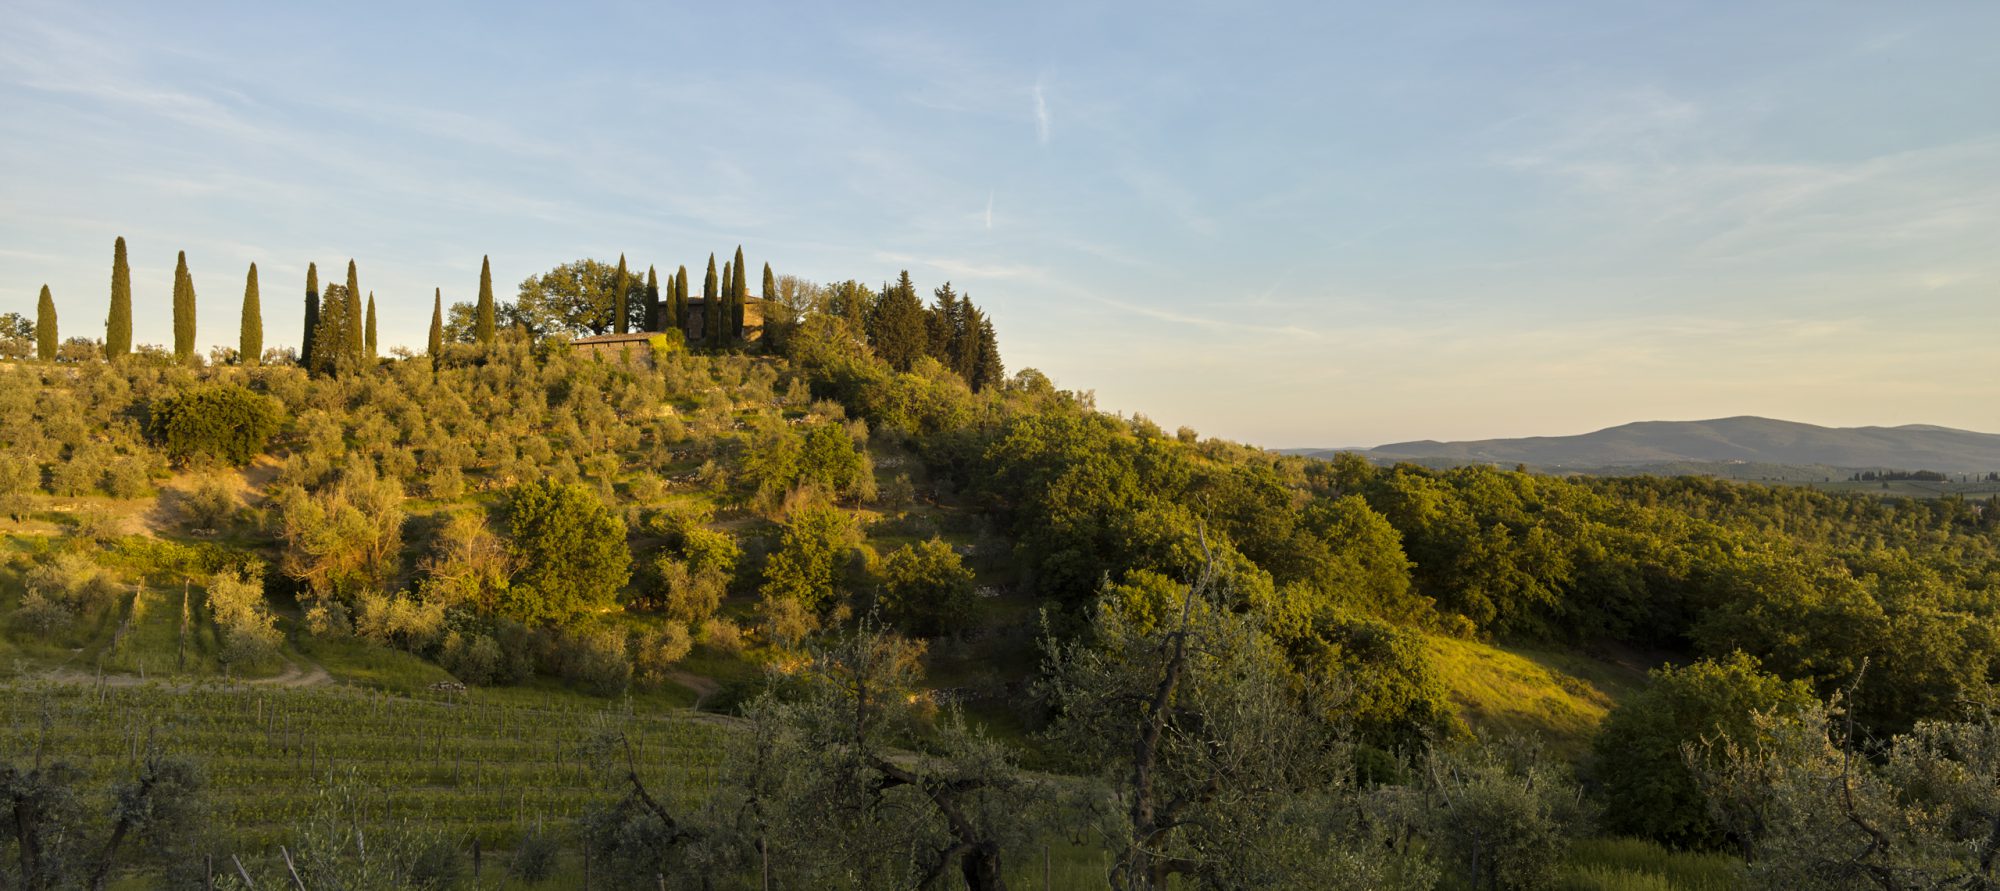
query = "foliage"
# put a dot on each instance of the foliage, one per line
(807, 568)
(1640, 768)
(1499, 817)
(570, 553)
(183, 311)
(1818, 808)
(1207, 758)
(118, 324)
(45, 327)
(59, 838)
(250, 340)
(581, 297)
(249, 630)
(342, 540)
(927, 589)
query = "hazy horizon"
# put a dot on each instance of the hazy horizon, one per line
(1311, 227)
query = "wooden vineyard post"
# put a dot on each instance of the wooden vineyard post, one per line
(181, 647)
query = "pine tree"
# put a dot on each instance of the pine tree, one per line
(370, 336)
(990, 372)
(354, 341)
(312, 316)
(250, 341)
(331, 354)
(45, 327)
(899, 334)
(621, 300)
(943, 324)
(482, 328)
(739, 297)
(967, 352)
(118, 327)
(679, 313)
(183, 310)
(710, 331)
(652, 299)
(437, 326)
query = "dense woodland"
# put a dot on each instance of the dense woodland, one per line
(950, 618)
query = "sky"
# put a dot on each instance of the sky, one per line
(1317, 224)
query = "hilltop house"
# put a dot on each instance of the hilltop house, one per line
(636, 347)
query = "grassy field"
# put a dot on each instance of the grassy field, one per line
(1514, 690)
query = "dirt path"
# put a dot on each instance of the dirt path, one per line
(702, 687)
(294, 676)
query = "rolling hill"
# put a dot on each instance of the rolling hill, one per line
(1736, 440)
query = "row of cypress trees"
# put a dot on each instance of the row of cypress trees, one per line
(118, 324)
(340, 326)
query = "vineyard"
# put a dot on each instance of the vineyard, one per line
(475, 771)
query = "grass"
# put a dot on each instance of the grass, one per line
(1631, 864)
(1516, 690)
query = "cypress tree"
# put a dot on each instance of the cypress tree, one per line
(370, 336)
(45, 327)
(183, 310)
(354, 339)
(652, 299)
(710, 331)
(728, 313)
(437, 326)
(312, 316)
(482, 328)
(740, 297)
(679, 313)
(621, 302)
(250, 341)
(118, 327)
(770, 284)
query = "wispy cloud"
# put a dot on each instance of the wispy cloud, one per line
(989, 211)
(1041, 115)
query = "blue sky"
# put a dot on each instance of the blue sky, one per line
(1313, 224)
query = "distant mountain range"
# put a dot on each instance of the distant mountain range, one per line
(1724, 441)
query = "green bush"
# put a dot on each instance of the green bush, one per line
(571, 551)
(214, 423)
(1640, 766)
(926, 589)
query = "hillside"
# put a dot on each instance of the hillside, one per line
(1739, 440)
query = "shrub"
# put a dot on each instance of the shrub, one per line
(249, 629)
(127, 477)
(656, 651)
(474, 659)
(1640, 766)
(926, 588)
(534, 856)
(689, 595)
(596, 659)
(20, 476)
(1500, 818)
(208, 504)
(214, 423)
